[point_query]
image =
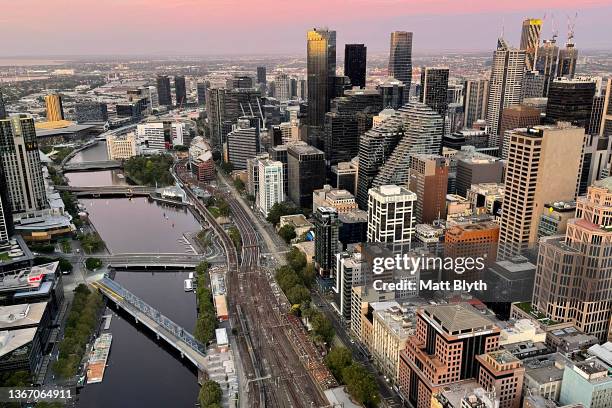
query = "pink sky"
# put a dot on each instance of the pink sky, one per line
(34, 27)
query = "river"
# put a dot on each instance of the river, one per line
(141, 372)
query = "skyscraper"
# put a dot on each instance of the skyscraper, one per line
(544, 165)
(55, 109)
(530, 40)
(385, 150)
(306, 172)
(534, 83)
(282, 87)
(355, 64)
(163, 90)
(201, 89)
(261, 75)
(393, 92)
(321, 72)
(6, 217)
(434, 88)
(596, 115)
(505, 86)
(567, 60)
(391, 214)
(225, 106)
(514, 117)
(2, 107)
(326, 227)
(271, 184)
(243, 142)
(546, 62)
(570, 100)
(91, 112)
(572, 282)
(180, 90)
(400, 58)
(475, 98)
(349, 118)
(429, 180)
(21, 163)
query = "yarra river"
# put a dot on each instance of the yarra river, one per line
(141, 372)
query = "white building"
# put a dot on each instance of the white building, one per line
(282, 87)
(391, 214)
(157, 135)
(348, 274)
(151, 93)
(270, 185)
(121, 147)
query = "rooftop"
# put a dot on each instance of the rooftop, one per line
(14, 339)
(15, 316)
(458, 319)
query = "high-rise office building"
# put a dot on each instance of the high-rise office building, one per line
(572, 282)
(261, 75)
(271, 182)
(434, 88)
(530, 40)
(225, 106)
(243, 142)
(21, 164)
(567, 60)
(514, 117)
(2, 107)
(400, 58)
(385, 150)
(306, 173)
(152, 96)
(6, 217)
(391, 215)
(55, 109)
(443, 350)
(477, 168)
(596, 115)
(279, 153)
(429, 180)
(180, 90)
(393, 92)
(321, 73)
(350, 117)
(163, 90)
(533, 84)
(421, 129)
(505, 86)
(544, 165)
(282, 87)
(239, 81)
(570, 100)
(605, 129)
(201, 89)
(546, 62)
(475, 99)
(91, 112)
(355, 64)
(326, 227)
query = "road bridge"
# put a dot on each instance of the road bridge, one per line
(176, 336)
(92, 166)
(107, 191)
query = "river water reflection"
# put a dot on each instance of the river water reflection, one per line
(142, 371)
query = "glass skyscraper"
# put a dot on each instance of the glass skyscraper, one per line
(400, 57)
(355, 63)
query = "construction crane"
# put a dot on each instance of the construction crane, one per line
(571, 26)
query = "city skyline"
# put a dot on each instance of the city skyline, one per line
(195, 26)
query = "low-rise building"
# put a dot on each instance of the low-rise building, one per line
(342, 200)
(503, 372)
(121, 147)
(587, 382)
(298, 221)
(521, 330)
(553, 220)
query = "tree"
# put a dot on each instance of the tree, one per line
(287, 232)
(239, 185)
(361, 385)
(337, 360)
(280, 209)
(296, 258)
(223, 206)
(65, 265)
(298, 294)
(210, 394)
(322, 328)
(93, 263)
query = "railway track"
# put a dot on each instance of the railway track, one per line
(276, 375)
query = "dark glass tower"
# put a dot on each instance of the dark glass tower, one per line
(321, 72)
(355, 64)
(400, 58)
(570, 100)
(261, 75)
(180, 90)
(2, 107)
(163, 90)
(434, 88)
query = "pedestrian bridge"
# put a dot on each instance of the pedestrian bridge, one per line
(107, 191)
(153, 261)
(92, 165)
(176, 336)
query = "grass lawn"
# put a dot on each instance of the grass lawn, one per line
(4, 256)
